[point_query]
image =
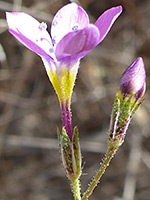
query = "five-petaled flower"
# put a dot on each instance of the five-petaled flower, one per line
(72, 37)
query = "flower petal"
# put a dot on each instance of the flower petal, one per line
(106, 20)
(69, 18)
(30, 32)
(76, 45)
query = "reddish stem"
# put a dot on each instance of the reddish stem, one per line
(66, 118)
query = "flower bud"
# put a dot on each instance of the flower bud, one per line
(133, 80)
(127, 101)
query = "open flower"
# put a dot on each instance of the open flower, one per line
(71, 38)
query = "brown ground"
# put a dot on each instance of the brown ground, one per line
(30, 166)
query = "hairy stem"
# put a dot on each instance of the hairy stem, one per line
(105, 163)
(76, 189)
(66, 118)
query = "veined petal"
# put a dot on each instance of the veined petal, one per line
(76, 45)
(69, 18)
(106, 20)
(30, 32)
(133, 80)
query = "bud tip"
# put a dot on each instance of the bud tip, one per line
(133, 80)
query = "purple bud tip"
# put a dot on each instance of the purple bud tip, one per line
(133, 80)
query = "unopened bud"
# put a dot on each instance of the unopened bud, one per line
(127, 101)
(133, 80)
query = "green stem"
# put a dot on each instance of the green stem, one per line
(76, 189)
(105, 163)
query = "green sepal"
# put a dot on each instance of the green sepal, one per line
(77, 151)
(70, 153)
(66, 151)
(137, 105)
(123, 111)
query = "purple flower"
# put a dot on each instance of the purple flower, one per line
(133, 80)
(71, 38)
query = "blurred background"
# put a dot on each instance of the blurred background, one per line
(30, 165)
